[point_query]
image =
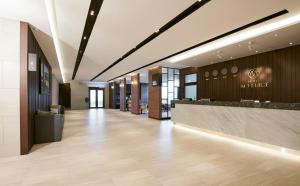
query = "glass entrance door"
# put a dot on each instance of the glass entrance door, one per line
(96, 98)
(100, 97)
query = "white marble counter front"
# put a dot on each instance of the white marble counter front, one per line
(271, 126)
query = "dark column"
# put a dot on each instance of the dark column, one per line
(154, 95)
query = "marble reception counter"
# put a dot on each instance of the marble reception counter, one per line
(269, 123)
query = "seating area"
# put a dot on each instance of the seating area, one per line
(49, 125)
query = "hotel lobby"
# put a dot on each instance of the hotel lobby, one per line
(117, 93)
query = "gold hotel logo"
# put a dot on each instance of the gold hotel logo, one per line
(254, 73)
(260, 77)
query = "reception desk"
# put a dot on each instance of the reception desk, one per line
(276, 124)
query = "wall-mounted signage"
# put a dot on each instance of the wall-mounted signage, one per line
(206, 74)
(260, 77)
(234, 70)
(224, 72)
(32, 58)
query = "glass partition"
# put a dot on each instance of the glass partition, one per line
(169, 90)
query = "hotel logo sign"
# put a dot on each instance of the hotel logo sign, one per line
(260, 77)
(254, 73)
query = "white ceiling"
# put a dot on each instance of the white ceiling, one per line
(121, 25)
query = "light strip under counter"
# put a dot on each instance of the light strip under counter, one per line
(197, 119)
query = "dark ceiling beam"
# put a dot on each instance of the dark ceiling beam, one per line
(91, 18)
(174, 21)
(275, 15)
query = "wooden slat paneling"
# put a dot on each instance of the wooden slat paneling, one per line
(285, 76)
(24, 128)
(36, 100)
(135, 94)
(154, 103)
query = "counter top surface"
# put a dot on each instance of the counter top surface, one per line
(283, 106)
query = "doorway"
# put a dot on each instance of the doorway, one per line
(96, 96)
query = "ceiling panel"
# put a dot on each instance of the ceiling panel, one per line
(121, 25)
(216, 18)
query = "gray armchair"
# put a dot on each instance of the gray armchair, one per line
(48, 127)
(58, 109)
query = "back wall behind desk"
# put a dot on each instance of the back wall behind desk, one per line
(272, 76)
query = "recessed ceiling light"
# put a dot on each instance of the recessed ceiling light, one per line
(256, 51)
(231, 57)
(238, 37)
(291, 43)
(275, 35)
(84, 37)
(92, 12)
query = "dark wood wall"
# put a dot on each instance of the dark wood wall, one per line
(65, 95)
(123, 91)
(284, 87)
(154, 96)
(114, 95)
(24, 122)
(36, 100)
(135, 94)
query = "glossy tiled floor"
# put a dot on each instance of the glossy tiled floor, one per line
(113, 148)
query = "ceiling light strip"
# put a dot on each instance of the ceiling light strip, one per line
(174, 21)
(239, 37)
(275, 15)
(51, 12)
(92, 15)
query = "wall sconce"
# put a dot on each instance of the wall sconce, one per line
(134, 82)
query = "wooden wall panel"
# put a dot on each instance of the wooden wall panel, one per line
(135, 94)
(36, 100)
(24, 126)
(154, 103)
(123, 94)
(285, 78)
(111, 95)
(65, 95)
(30, 98)
(114, 95)
(297, 75)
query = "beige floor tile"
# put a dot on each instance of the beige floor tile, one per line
(113, 148)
